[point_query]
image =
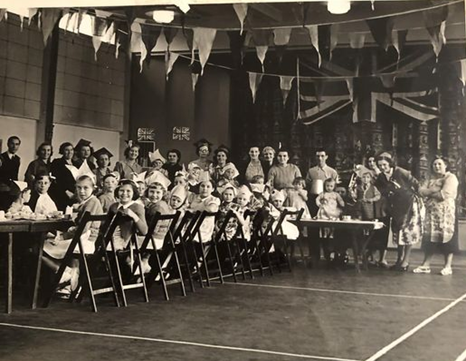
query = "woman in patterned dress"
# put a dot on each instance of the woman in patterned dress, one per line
(129, 168)
(404, 206)
(440, 193)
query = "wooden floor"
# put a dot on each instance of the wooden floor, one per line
(312, 314)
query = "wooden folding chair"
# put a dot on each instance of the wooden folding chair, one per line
(254, 249)
(204, 248)
(164, 256)
(132, 250)
(181, 237)
(109, 223)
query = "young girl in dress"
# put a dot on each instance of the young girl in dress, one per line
(297, 196)
(276, 208)
(205, 201)
(193, 179)
(107, 198)
(228, 194)
(56, 248)
(41, 203)
(330, 206)
(244, 199)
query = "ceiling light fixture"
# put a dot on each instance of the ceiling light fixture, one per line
(338, 6)
(163, 16)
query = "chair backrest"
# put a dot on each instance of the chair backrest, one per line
(204, 215)
(221, 231)
(185, 228)
(287, 213)
(110, 223)
(270, 230)
(154, 221)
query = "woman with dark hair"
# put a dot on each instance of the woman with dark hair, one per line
(83, 152)
(65, 173)
(440, 193)
(173, 164)
(203, 150)
(40, 165)
(404, 206)
(102, 157)
(221, 160)
(129, 167)
(253, 166)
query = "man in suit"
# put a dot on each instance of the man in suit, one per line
(9, 169)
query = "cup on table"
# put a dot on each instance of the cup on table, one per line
(346, 218)
(2, 215)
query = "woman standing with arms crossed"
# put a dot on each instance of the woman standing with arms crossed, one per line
(404, 206)
(440, 193)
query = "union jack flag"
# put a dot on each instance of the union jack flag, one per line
(181, 133)
(365, 97)
(146, 134)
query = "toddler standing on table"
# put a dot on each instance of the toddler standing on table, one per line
(330, 206)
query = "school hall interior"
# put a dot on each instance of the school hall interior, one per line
(254, 180)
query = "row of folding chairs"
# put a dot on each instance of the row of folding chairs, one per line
(184, 256)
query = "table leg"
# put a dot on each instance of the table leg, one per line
(9, 291)
(355, 252)
(367, 240)
(40, 252)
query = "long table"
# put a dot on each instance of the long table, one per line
(40, 227)
(352, 226)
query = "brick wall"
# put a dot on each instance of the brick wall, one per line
(89, 92)
(20, 69)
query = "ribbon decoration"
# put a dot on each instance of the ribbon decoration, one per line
(170, 59)
(241, 11)
(254, 82)
(50, 18)
(286, 82)
(314, 36)
(203, 39)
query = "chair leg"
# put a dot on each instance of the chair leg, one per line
(267, 255)
(111, 277)
(162, 277)
(232, 265)
(120, 278)
(204, 262)
(180, 275)
(196, 264)
(85, 265)
(141, 271)
(188, 266)
(214, 245)
(239, 253)
(248, 260)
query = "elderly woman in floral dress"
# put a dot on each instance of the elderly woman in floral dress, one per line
(440, 193)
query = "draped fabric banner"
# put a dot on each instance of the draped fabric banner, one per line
(241, 11)
(170, 59)
(381, 30)
(313, 31)
(49, 19)
(254, 82)
(203, 39)
(286, 82)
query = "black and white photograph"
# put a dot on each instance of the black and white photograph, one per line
(264, 180)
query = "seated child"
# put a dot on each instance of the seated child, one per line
(40, 202)
(244, 199)
(56, 248)
(228, 194)
(19, 205)
(260, 191)
(330, 206)
(275, 210)
(178, 197)
(205, 201)
(194, 174)
(230, 173)
(142, 200)
(157, 161)
(107, 198)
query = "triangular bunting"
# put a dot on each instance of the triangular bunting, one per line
(170, 59)
(32, 13)
(81, 14)
(398, 41)
(281, 36)
(357, 40)
(388, 80)
(189, 36)
(150, 35)
(203, 40)
(381, 30)
(314, 36)
(194, 78)
(241, 11)
(286, 82)
(170, 34)
(463, 71)
(49, 20)
(261, 52)
(334, 29)
(254, 82)
(349, 85)
(3, 14)
(435, 21)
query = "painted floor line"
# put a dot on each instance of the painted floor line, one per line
(342, 291)
(461, 357)
(411, 332)
(176, 342)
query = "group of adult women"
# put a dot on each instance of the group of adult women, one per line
(417, 211)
